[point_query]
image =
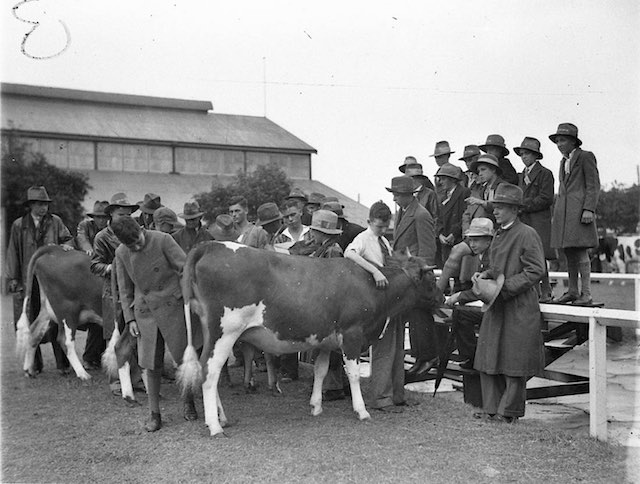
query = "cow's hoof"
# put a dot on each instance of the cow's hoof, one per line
(220, 435)
(364, 416)
(251, 388)
(85, 377)
(29, 374)
(315, 411)
(276, 391)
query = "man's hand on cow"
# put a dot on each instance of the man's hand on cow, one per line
(587, 217)
(450, 301)
(133, 329)
(13, 285)
(381, 281)
(67, 247)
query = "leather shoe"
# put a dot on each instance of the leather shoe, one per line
(189, 411)
(484, 415)
(505, 419)
(154, 423)
(565, 298)
(583, 301)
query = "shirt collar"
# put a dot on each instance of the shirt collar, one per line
(509, 225)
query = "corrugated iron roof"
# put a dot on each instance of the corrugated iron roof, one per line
(92, 115)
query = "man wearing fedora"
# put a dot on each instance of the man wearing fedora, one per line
(489, 177)
(411, 163)
(270, 220)
(450, 210)
(165, 220)
(28, 233)
(426, 194)
(496, 146)
(223, 229)
(414, 231)
(102, 260)
(510, 347)
(470, 155)
(86, 234)
(442, 153)
(148, 206)
(573, 228)
(193, 232)
(536, 183)
(349, 229)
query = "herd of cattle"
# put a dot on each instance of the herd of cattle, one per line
(280, 304)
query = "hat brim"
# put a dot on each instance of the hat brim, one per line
(327, 231)
(505, 150)
(554, 136)
(221, 236)
(474, 166)
(97, 214)
(500, 282)
(109, 208)
(477, 234)
(417, 189)
(518, 151)
(440, 154)
(27, 202)
(260, 223)
(190, 216)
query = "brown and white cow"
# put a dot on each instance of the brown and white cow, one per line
(71, 296)
(286, 304)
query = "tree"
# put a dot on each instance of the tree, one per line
(22, 168)
(266, 184)
(618, 209)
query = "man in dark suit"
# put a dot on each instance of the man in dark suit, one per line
(536, 182)
(450, 210)
(414, 230)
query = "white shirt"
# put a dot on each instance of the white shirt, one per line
(286, 232)
(366, 245)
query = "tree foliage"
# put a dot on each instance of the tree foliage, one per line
(266, 184)
(619, 209)
(22, 168)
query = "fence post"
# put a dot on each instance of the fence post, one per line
(597, 379)
(636, 284)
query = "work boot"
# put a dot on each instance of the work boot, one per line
(154, 423)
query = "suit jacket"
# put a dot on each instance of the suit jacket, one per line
(537, 202)
(415, 231)
(475, 211)
(576, 192)
(450, 215)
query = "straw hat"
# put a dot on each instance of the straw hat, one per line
(325, 221)
(480, 227)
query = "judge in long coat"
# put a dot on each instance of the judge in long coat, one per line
(573, 227)
(510, 347)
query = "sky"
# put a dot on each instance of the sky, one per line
(366, 83)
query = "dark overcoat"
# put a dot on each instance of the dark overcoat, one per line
(510, 340)
(415, 231)
(450, 214)
(537, 204)
(577, 191)
(150, 294)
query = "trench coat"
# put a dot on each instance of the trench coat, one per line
(537, 203)
(150, 294)
(415, 231)
(576, 192)
(510, 340)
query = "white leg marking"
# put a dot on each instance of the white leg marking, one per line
(109, 359)
(320, 369)
(212, 417)
(352, 367)
(70, 347)
(36, 331)
(124, 373)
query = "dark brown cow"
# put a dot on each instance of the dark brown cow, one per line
(286, 304)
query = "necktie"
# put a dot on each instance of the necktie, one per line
(566, 165)
(384, 249)
(400, 212)
(527, 180)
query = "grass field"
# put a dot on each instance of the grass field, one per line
(59, 429)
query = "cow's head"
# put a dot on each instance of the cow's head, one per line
(423, 280)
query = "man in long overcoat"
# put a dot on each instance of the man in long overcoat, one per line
(536, 183)
(510, 347)
(574, 223)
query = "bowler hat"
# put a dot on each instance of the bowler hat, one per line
(450, 170)
(335, 207)
(442, 148)
(487, 159)
(487, 290)
(403, 184)
(223, 229)
(191, 210)
(165, 215)
(409, 161)
(508, 194)
(495, 140)
(268, 212)
(37, 194)
(566, 129)
(120, 200)
(316, 198)
(325, 221)
(480, 227)
(470, 151)
(531, 144)
(296, 194)
(99, 209)
(150, 204)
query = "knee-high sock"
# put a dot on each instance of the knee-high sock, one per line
(585, 279)
(572, 270)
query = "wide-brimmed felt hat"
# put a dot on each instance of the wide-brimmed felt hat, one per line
(296, 194)
(268, 212)
(495, 140)
(450, 171)
(442, 148)
(120, 200)
(403, 184)
(530, 144)
(99, 209)
(325, 221)
(223, 228)
(480, 227)
(165, 215)
(334, 207)
(487, 159)
(37, 194)
(488, 290)
(508, 194)
(191, 210)
(316, 198)
(566, 129)
(409, 161)
(150, 204)
(414, 171)
(470, 151)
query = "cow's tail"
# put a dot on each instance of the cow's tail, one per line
(109, 358)
(189, 374)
